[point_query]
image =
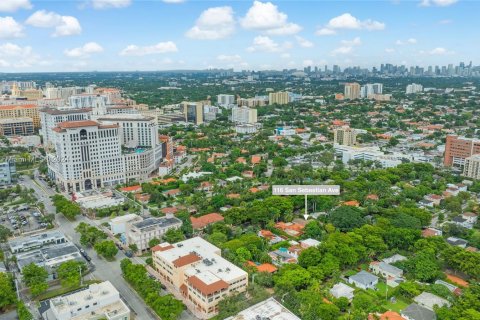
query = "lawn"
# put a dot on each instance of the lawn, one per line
(399, 303)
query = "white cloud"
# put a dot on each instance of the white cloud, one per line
(162, 47)
(12, 50)
(15, 56)
(265, 44)
(408, 41)
(85, 51)
(213, 24)
(265, 17)
(229, 58)
(304, 42)
(439, 51)
(438, 3)
(347, 46)
(285, 55)
(354, 42)
(64, 25)
(106, 4)
(348, 21)
(14, 5)
(9, 28)
(389, 50)
(325, 32)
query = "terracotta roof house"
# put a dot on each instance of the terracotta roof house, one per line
(203, 221)
(133, 189)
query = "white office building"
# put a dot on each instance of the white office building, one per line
(87, 100)
(98, 301)
(244, 115)
(350, 153)
(414, 88)
(50, 117)
(225, 100)
(371, 89)
(140, 233)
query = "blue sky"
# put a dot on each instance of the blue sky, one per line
(173, 34)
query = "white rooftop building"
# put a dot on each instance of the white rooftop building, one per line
(269, 309)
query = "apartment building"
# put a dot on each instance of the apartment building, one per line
(97, 301)
(457, 149)
(7, 172)
(21, 111)
(346, 136)
(51, 117)
(413, 88)
(370, 89)
(16, 126)
(352, 91)
(140, 233)
(349, 153)
(26, 93)
(281, 97)
(87, 100)
(195, 270)
(225, 100)
(471, 169)
(258, 101)
(244, 115)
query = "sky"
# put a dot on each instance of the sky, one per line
(128, 35)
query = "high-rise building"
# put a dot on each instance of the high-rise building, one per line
(225, 100)
(370, 89)
(457, 149)
(352, 91)
(281, 97)
(195, 269)
(193, 112)
(7, 172)
(21, 111)
(244, 115)
(414, 88)
(471, 169)
(50, 117)
(82, 101)
(346, 136)
(26, 93)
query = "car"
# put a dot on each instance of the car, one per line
(129, 254)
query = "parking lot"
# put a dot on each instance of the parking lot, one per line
(23, 219)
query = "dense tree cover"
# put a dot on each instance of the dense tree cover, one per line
(173, 236)
(5, 233)
(35, 278)
(166, 307)
(466, 307)
(346, 218)
(23, 312)
(106, 249)
(7, 291)
(68, 208)
(69, 273)
(89, 235)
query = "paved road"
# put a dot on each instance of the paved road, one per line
(103, 270)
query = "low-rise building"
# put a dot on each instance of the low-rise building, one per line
(195, 270)
(385, 270)
(268, 309)
(32, 242)
(98, 301)
(342, 290)
(364, 280)
(429, 301)
(140, 233)
(16, 126)
(416, 312)
(205, 220)
(118, 225)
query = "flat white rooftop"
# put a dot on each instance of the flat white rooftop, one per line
(270, 309)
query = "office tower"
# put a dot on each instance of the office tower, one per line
(457, 149)
(345, 136)
(50, 117)
(86, 100)
(370, 89)
(352, 91)
(244, 115)
(225, 100)
(21, 111)
(193, 112)
(414, 88)
(280, 97)
(471, 168)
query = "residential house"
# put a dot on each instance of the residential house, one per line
(471, 217)
(416, 312)
(307, 243)
(364, 280)
(385, 270)
(454, 241)
(395, 258)
(281, 256)
(434, 198)
(267, 234)
(264, 267)
(342, 290)
(429, 300)
(452, 288)
(292, 229)
(203, 221)
(431, 232)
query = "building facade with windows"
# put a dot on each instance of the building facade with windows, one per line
(140, 233)
(16, 127)
(457, 149)
(21, 111)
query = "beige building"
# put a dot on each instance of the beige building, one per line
(195, 270)
(98, 301)
(16, 126)
(193, 112)
(472, 167)
(278, 97)
(21, 111)
(352, 91)
(251, 102)
(244, 115)
(29, 94)
(346, 136)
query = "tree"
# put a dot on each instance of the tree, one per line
(243, 255)
(313, 230)
(35, 278)
(7, 291)
(292, 277)
(217, 238)
(68, 208)
(106, 248)
(5, 233)
(133, 247)
(89, 235)
(23, 312)
(346, 218)
(424, 266)
(173, 236)
(69, 273)
(310, 257)
(153, 242)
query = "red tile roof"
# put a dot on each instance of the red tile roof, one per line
(159, 247)
(136, 188)
(78, 124)
(185, 260)
(203, 221)
(207, 289)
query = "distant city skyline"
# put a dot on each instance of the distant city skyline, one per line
(129, 35)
